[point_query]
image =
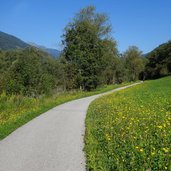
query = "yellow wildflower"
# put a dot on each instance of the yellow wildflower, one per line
(141, 150)
(160, 127)
(166, 150)
(153, 153)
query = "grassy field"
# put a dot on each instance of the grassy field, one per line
(18, 110)
(131, 129)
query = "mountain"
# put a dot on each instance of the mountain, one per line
(53, 52)
(9, 42)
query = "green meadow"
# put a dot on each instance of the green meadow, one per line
(131, 129)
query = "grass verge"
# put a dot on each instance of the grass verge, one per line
(18, 110)
(131, 129)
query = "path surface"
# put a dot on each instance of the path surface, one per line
(51, 142)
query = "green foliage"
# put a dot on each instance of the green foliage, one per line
(130, 129)
(29, 72)
(89, 50)
(159, 61)
(133, 62)
(111, 63)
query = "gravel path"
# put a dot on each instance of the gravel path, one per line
(51, 142)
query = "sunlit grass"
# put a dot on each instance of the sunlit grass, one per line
(17, 110)
(131, 129)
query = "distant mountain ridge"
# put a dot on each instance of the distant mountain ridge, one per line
(10, 42)
(53, 52)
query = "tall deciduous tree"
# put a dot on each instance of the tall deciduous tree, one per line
(83, 46)
(133, 62)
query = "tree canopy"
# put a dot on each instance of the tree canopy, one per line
(30, 72)
(133, 63)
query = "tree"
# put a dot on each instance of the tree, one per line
(83, 46)
(133, 63)
(113, 68)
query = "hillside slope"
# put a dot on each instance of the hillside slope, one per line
(159, 61)
(53, 52)
(9, 42)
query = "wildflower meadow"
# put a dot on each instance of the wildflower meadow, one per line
(131, 129)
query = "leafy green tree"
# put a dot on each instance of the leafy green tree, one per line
(83, 47)
(133, 62)
(108, 61)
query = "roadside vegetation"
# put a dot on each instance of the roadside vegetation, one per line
(16, 110)
(130, 129)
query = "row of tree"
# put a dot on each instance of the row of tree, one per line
(32, 72)
(90, 58)
(92, 53)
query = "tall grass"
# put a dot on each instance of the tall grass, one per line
(131, 129)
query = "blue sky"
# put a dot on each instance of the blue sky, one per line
(144, 23)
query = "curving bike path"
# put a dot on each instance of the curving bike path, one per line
(51, 142)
